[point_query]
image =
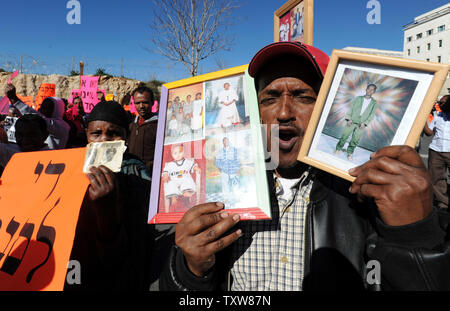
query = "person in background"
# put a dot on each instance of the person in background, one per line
(52, 110)
(141, 141)
(66, 103)
(31, 133)
(3, 134)
(78, 125)
(439, 151)
(101, 97)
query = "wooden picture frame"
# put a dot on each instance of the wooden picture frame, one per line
(404, 94)
(307, 18)
(200, 175)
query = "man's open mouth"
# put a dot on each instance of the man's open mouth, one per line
(288, 136)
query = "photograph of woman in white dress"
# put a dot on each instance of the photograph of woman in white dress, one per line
(225, 105)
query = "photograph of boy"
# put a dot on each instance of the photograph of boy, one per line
(361, 113)
(180, 190)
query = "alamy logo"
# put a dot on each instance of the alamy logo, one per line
(374, 15)
(74, 272)
(373, 272)
(74, 15)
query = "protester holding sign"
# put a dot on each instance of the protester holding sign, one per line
(76, 118)
(328, 232)
(52, 109)
(113, 241)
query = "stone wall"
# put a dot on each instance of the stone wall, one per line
(28, 84)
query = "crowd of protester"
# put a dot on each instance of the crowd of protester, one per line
(117, 249)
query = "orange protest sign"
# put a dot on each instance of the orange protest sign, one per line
(40, 199)
(109, 97)
(28, 100)
(46, 90)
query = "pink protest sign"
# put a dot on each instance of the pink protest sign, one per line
(15, 74)
(155, 106)
(4, 105)
(73, 94)
(89, 87)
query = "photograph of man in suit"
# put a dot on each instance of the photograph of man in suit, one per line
(361, 113)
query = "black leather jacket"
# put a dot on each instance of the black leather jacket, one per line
(343, 238)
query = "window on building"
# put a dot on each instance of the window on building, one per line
(441, 28)
(409, 52)
(440, 43)
(419, 35)
(439, 59)
(418, 49)
(430, 32)
(409, 39)
(428, 59)
(428, 46)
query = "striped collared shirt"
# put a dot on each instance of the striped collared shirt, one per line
(270, 254)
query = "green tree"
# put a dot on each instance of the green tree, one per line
(101, 72)
(155, 86)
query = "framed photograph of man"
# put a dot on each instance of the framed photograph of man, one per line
(230, 168)
(209, 148)
(294, 21)
(367, 102)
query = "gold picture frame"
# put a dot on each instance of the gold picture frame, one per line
(306, 17)
(404, 93)
(200, 147)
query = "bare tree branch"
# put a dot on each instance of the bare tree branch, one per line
(189, 31)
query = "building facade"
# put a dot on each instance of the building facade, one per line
(427, 38)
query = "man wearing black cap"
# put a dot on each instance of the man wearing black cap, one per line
(113, 241)
(324, 231)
